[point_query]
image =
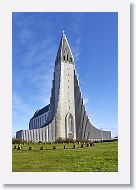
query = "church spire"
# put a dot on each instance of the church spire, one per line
(64, 53)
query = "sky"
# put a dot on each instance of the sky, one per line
(93, 38)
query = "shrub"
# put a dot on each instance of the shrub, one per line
(59, 140)
(18, 141)
(69, 140)
(41, 148)
(30, 148)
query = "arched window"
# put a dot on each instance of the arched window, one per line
(69, 126)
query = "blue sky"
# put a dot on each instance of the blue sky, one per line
(93, 38)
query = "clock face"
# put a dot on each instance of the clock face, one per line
(67, 67)
(63, 52)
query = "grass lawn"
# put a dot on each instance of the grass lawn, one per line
(102, 157)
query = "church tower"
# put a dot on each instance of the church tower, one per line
(64, 103)
(65, 117)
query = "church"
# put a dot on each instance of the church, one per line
(65, 117)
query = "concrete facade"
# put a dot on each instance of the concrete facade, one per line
(65, 116)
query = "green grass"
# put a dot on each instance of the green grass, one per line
(103, 157)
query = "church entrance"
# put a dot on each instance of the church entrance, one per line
(69, 126)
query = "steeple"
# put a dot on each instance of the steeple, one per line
(64, 53)
(66, 116)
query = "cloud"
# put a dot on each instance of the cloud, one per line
(41, 75)
(76, 23)
(76, 48)
(28, 26)
(76, 31)
(37, 62)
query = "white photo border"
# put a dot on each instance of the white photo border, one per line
(123, 174)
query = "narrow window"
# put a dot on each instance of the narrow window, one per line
(64, 57)
(71, 59)
(67, 57)
(38, 123)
